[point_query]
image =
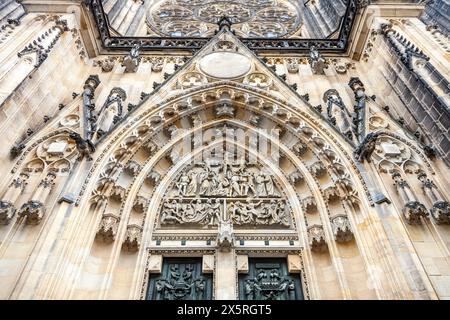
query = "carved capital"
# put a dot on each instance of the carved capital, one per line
(356, 85)
(341, 228)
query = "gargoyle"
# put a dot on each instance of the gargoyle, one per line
(84, 147)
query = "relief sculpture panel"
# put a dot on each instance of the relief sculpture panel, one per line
(212, 191)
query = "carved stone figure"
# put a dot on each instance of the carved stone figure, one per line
(235, 181)
(132, 60)
(169, 213)
(268, 281)
(261, 190)
(193, 184)
(225, 180)
(107, 229)
(317, 62)
(270, 186)
(317, 238)
(107, 64)
(183, 184)
(338, 112)
(215, 212)
(292, 66)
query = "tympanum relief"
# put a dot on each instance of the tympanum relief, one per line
(210, 192)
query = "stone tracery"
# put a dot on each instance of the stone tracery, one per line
(257, 18)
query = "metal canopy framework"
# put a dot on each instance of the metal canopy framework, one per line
(281, 45)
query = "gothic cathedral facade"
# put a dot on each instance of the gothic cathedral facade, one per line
(233, 150)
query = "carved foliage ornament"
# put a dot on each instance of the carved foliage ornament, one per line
(316, 236)
(341, 228)
(268, 279)
(108, 228)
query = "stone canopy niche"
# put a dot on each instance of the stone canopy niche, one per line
(206, 193)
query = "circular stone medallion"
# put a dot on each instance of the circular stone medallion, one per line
(225, 65)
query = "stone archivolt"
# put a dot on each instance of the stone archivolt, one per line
(142, 187)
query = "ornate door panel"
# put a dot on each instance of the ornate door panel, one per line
(181, 279)
(269, 279)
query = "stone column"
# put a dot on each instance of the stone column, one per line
(7, 209)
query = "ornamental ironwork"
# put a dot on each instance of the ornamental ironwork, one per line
(257, 43)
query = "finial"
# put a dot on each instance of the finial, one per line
(225, 23)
